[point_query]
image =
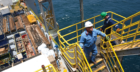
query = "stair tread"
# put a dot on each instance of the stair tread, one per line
(119, 47)
(127, 46)
(100, 68)
(138, 46)
(99, 60)
(135, 45)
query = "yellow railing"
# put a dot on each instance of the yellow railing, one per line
(133, 34)
(49, 68)
(97, 24)
(76, 57)
(109, 51)
(112, 62)
(66, 48)
(124, 24)
(129, 28)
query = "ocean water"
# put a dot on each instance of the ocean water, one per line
(67, 12)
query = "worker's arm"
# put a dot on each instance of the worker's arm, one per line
(112, 23)
(100, 33)
(116, 26)
(82, 41)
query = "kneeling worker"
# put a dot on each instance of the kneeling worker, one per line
(88, 40)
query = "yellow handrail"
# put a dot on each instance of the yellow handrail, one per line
(111, 49)
(84, 57)
(64, 44)
(128, 35)
(116, 57)
(123, 21)
(76, 24)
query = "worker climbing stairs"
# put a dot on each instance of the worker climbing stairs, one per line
(100, 66)
(107, 59)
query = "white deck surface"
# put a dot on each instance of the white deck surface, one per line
(30, 65)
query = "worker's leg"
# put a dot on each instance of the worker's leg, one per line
(113, 42)
(87, 53)
(94, 53)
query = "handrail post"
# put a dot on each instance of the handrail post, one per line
(94, 22)
(75, 55)
(135, 34)
(111, 32)
(111, 15)
(130, 24)
(122, 30)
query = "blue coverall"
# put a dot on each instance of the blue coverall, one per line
(87, 41)
(108, 22)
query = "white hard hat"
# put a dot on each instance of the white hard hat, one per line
(88, 24)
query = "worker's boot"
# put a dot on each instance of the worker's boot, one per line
(94, 62)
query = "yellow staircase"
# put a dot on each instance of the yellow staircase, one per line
(78, 60)
(73, 53)
(99, 67)
(132, 34)
(108, 61)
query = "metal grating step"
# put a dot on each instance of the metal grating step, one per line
(100, 68)
(99, 60)
(127, 46)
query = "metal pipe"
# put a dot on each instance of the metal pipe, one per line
(44, 19)
(82, 13)
(51, 7)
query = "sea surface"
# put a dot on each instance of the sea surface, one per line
(67, 12)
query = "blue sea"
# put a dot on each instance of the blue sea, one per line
(67, 12)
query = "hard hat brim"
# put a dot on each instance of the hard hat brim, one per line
(88, 26)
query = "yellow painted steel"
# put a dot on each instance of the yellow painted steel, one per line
(31, 18)
(64, 44)
(49, 68)
(116, 57)
(110, 49)
(76, 24)
(132, 35)
(123, 22)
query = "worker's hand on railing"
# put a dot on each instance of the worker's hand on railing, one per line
(107, 38)
(118, 29)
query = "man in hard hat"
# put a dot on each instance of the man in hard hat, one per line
(108, 22)
(88, 39)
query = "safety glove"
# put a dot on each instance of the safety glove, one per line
(118, 29)
(107, 38)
